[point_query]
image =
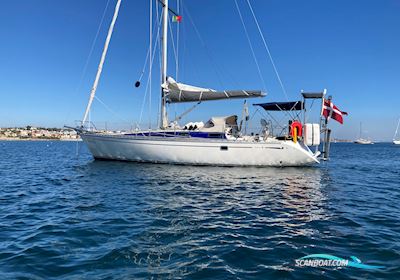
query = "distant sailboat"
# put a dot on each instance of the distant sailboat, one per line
(361, 140)
(396, 142)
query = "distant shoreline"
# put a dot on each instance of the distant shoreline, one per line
(39, 139)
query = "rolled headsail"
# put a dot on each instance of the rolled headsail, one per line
(103, 58)
(178, 93)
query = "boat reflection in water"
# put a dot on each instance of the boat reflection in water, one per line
(211, 213)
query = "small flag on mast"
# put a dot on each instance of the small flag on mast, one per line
(176, 18)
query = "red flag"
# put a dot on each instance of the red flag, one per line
(330, 110)
(177, 18)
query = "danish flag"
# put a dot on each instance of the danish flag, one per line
(329, 110)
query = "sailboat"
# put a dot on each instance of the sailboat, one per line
(396, 142)
(220, 141)
(361, 140)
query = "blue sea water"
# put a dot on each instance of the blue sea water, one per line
(66, 216)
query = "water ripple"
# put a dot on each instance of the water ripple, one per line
(64, 216)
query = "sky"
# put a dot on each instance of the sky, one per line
(351, 48)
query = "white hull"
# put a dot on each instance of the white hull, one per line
(198, 151)
(396, 142)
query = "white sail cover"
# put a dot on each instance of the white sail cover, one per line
(219, 124)
(178, 92)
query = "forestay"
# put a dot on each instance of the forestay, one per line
(178, 93)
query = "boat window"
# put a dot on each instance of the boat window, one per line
(215, 135)
(209, 124)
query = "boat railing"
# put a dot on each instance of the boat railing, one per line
(269, 128)
(119, 129)
(87, 125)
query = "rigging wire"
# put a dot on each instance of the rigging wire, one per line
(158, 40)
(288, 113)
(93, 46)
(103, 57)
(214, 64)
(146, 59)
(111, 111)
(175, 54)
(183, 42)
(173, 44)
(152, 59)
(84, 69)
(278, 123)
(143, 69)
(267, 49)
(177, 43)
(218, 74)
(178, 10)
(144, 100)
(251, 47)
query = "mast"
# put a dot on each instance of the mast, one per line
(164, 117)
(103, 57)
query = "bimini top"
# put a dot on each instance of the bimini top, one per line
(178, 92)
(282, 106)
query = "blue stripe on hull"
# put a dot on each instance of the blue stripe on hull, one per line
(195, 134)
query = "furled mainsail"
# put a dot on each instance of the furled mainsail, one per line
(178, 93)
